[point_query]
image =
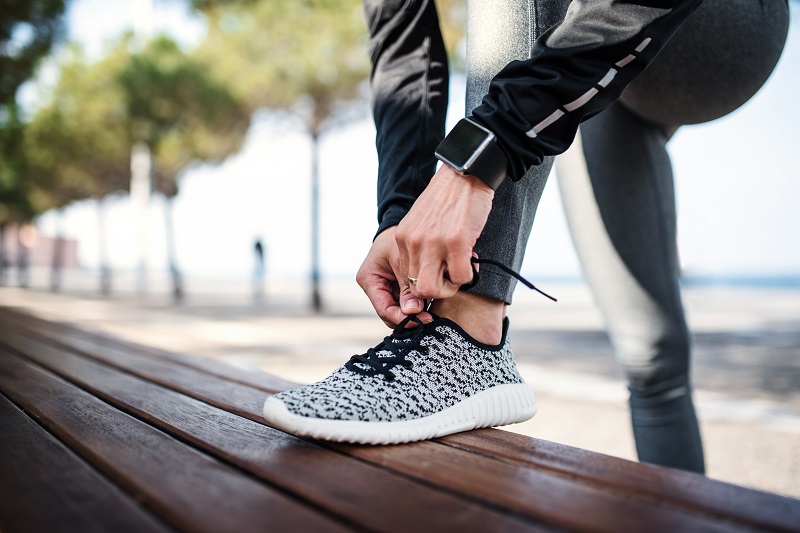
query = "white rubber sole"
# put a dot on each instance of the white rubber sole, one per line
(498, 406)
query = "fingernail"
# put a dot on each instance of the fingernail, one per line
(410, 305)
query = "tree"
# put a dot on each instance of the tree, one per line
(183, 113)
(78, 143)
(305, 56)
(28, 31)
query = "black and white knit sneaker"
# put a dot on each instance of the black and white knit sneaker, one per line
(419, 383)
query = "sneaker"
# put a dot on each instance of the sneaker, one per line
(419, 383)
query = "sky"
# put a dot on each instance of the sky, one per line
(737, 186)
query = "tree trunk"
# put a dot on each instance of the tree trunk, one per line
(141, 187)
(3, 259)
(102, 249)
(316, 298)
(175, 273)
(23, 264)
(57, 262)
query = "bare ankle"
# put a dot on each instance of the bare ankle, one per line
(481, 317)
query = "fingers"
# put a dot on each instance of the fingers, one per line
(421, 259)
(443, 267)
(386, 305)
(387, 290)
(411, 305)
(435, 239)
(379, 292)
(432, 280)
(459, 267)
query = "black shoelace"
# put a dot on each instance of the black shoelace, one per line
(476, 276)
(394, 348)
(392, 351)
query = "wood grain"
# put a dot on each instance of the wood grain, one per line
(185, 488)
(91, 342)
(553, 498)
(539, 494)
(358, 492)
(46, 487)
(695, 492)
(482, 480)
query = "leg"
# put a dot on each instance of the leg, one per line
(622, 218)
(504, 238)
(616, 183)
(519, 22)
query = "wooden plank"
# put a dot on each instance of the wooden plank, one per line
(539, 494)
(222, 392)
(362, 493)
(183, 487)
(234, 397)
(765, 511)
(88, 342)
(759, 509)
(46, 487)
(554, 498)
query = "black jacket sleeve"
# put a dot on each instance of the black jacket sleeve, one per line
(577, 69)
(409, 85)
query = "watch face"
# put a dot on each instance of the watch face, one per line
(463, 144)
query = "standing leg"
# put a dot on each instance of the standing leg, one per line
(616, 185)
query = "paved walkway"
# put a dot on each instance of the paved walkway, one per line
(747, 358)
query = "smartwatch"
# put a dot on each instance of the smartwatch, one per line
(472, 149)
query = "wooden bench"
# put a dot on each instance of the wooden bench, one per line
(100, 434)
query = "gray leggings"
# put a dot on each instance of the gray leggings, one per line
(617, 189)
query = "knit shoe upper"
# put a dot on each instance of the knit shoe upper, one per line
(419, 382)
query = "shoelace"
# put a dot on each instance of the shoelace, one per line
(399, 344)
(476, 276)
(405, 340)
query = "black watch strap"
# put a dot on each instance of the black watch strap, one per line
(491, 166)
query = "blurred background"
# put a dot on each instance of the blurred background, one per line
(229, 104)
(200, 175)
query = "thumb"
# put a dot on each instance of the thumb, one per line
(409, 304)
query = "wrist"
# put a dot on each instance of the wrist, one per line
(472, 149)
(458, 180)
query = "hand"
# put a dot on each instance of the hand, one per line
(385, 285)
(436, 238)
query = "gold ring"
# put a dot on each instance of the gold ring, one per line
(412, 281)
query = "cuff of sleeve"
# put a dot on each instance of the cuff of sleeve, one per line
(392, 217)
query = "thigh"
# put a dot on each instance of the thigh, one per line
(714, 64)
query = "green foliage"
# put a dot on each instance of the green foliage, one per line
(78, 145)
(28, 30)
(289, 54)
(14, 204)
(177, 107)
